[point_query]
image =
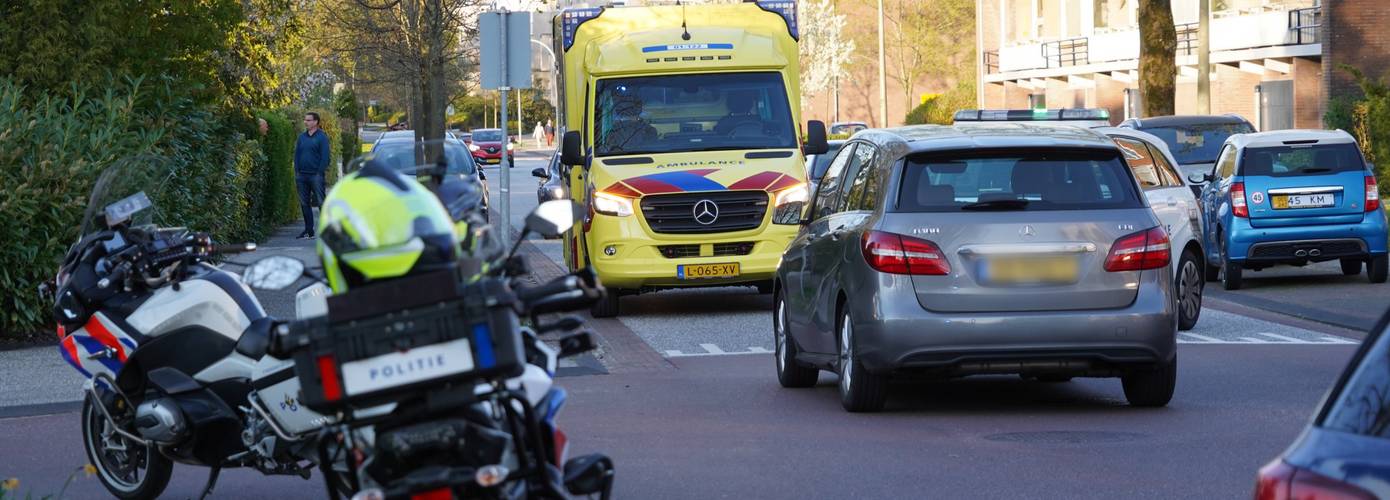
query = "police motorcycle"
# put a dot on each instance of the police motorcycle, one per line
(424, 352)
(173, 347)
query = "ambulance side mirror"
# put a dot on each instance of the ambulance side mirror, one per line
(816, 144)
(572, 149)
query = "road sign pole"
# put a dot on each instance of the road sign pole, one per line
(503, 165)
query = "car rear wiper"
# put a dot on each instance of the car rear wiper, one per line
(1015, 204)
(1313, 170)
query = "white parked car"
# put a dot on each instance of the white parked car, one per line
(1170, 196)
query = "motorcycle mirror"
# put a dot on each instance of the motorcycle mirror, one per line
(273, 273)
(552, 218)
(589, 475)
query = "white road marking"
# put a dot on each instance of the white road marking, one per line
(1337, 340)
(1249, 340)
(1200, 338)
(679, 354)
(1290, 340)
(712, 349)
(757, 349)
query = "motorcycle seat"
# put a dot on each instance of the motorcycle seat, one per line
(254, 340)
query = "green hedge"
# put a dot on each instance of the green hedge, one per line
(278, 146)
(56, 144)
(1367, 118)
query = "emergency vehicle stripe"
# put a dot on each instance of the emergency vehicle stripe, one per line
(98, 330)
(686, 181)
(93, 346)
(621, 189)
(756, 181)
(784, 182)
(69, 350)
(650, 186)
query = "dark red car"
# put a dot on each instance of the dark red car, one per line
(487, 147)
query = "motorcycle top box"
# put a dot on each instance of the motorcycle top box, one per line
(380, 342)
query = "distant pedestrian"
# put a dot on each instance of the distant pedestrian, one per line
(538, 134)
(550, 132)
(311, 157)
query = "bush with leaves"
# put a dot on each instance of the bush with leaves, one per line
(282, 202)
(56, 145)
(1370, 123)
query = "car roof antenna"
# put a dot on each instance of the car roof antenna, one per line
(686, 34)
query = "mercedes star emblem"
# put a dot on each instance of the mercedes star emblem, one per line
(1026, 231)
(706, 212)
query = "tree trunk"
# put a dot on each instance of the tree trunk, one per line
(1158, 45)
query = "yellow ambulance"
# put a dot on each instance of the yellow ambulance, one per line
(683, 138)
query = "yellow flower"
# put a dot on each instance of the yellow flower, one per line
(10, 484)
(90, 469)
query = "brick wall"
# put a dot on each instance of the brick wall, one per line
(1307, 93)
(1357, 33)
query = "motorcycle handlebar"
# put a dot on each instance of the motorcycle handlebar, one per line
(234, 248)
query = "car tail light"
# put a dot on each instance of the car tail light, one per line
(1281, 481)
(1238, 200)
(1147, 249)
(1372, 194)
(328, 375)
(898, 254)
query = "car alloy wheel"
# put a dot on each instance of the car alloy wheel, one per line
(789, 373)
(1189, 292)
(860, 390)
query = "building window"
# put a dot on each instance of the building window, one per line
(1112, 13)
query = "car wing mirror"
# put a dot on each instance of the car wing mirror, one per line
(539, 172)
(1198, 177)
(553, 218)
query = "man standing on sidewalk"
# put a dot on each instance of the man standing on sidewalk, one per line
(311, 157)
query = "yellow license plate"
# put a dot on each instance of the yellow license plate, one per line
(1279, 202)
(1026, 270)
(700, 271)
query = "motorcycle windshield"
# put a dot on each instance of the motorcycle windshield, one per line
(128, 191)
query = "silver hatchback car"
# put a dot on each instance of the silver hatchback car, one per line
(1005, 248)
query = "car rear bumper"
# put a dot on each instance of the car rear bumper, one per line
(1083, 342)
(1274, 245)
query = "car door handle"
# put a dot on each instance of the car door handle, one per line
(836, 234)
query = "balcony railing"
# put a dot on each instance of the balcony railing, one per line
(991, 62)
(1068, 52)
(1187, 39)
(1305, 23)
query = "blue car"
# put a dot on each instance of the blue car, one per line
(1291, 197)
(1345, 452)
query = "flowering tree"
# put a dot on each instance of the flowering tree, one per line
(824, 48)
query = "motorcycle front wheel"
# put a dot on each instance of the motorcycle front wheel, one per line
(127, 469)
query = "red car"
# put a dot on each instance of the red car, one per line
(487, 146)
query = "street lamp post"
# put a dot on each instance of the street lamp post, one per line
(554, 84)
(882, 79)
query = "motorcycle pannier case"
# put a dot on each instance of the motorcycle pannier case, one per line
(389, 341)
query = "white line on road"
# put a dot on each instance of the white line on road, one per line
(758, 349)
(1200, 338)
(678, 354)
(1290, 340)
(712, 349)
(1249, 340)
(1337, 340)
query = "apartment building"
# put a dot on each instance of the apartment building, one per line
(1272, 61)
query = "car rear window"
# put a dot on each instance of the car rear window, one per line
(1363, 404)
(1030, 180)
(1299, 160)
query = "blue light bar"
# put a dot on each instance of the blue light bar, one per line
(1018, 115)
(786, 9)
(572, 18)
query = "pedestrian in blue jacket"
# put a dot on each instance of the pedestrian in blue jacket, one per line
(311, 157)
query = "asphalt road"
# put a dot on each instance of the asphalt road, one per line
(690, 408)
